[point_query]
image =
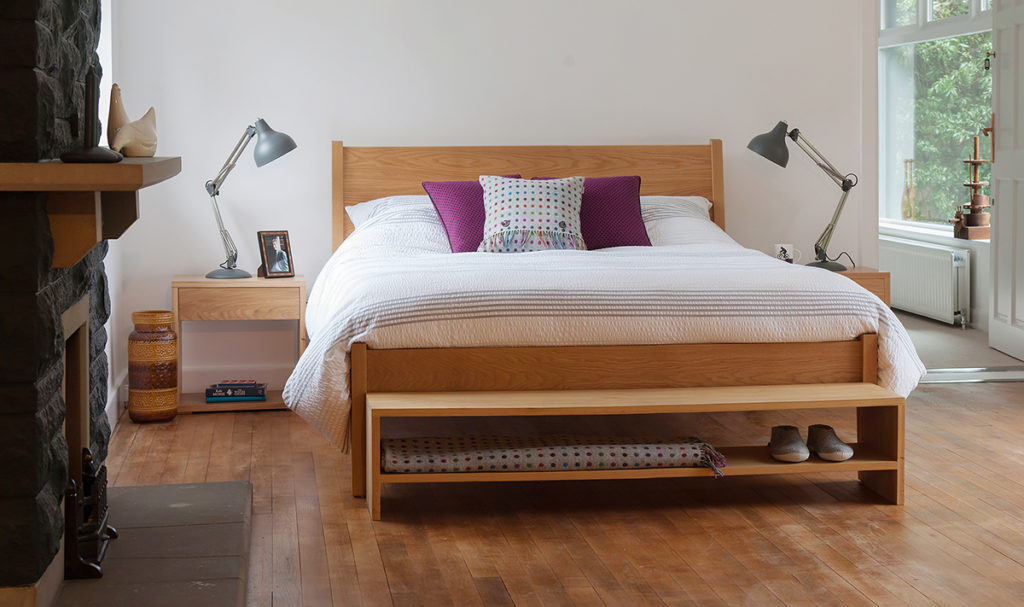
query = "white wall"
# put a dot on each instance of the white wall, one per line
(117, 355)
(459, 72)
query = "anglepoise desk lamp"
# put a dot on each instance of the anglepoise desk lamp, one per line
(270, 145)
(772, 145)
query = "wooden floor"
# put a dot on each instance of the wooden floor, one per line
(801, 540)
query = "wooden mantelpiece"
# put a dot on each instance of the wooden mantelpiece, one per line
(87, 202)
(54, 176)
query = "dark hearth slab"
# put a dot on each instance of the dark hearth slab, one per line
(193, 593)
(178, 545)
(225, 539)
(136, 571)
(172, 505)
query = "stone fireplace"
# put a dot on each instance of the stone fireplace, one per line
(46, 47)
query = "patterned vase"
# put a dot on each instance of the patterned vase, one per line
(153, 367)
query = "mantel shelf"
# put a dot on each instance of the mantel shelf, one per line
(87, 202)
(54, 176)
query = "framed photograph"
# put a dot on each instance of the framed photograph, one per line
(276, 254)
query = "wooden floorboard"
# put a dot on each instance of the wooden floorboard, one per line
(818, 539)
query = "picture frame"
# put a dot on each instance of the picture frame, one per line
(275, 254)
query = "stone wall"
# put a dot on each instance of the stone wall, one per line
(46, 47)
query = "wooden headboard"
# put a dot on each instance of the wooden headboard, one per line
(359, 174)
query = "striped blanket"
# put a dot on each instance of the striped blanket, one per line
(394, 284)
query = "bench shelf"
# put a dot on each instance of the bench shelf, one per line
(743, 461)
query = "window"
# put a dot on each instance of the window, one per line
(943, 9)
(898, 13)
(934, 97)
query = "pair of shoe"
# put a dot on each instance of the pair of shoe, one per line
(787, 446)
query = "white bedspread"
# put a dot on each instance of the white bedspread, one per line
(381, 290)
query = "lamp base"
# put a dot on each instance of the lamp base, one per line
(228, 273)
(828, 265)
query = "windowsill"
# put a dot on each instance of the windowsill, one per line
(924, 232)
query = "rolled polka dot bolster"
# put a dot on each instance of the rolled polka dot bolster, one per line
(545, 453)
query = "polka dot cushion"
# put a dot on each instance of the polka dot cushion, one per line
(545, 453)
(524, 215)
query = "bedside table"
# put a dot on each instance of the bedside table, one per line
(871, 279)
(201, 298)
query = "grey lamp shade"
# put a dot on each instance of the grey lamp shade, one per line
(270, 145)
(772, 145)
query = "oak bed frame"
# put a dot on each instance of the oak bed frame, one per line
(366, 173)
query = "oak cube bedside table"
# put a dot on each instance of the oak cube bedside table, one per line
(201, 298)
(871, 279)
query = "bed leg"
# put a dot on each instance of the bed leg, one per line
(881, 429)
(373, 466)
(358, 420)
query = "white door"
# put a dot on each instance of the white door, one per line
(1006, 325)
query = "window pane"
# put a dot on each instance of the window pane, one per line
(942, 9)
(896, 13)
(936, 96)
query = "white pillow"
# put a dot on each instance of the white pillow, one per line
(360, 213)
(400, 229)
(674, 220)
(663, 207)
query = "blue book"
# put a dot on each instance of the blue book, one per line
(230, 399)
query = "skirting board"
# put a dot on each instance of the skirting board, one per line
(114, 408)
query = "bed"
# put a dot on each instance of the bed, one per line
(361, 346)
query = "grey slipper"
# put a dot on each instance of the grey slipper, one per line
(787, 446)
(822, 440)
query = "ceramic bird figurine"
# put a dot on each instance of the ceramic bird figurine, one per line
(134, 139)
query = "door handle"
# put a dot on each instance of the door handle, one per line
(990, 131)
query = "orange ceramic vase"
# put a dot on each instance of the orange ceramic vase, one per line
(153, 367)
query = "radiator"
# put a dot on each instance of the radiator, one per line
(928, 279)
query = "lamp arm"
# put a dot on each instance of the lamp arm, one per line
(845, 182)
(821, 245)
(823, 163)
(230, 250)
(213, 188)
(213, 185)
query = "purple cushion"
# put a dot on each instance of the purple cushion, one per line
(460, 205)
(610, 215)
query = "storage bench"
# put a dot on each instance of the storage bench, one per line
(878, 452)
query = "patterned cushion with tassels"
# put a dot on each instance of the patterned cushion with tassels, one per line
(524, 215)
(544, 453)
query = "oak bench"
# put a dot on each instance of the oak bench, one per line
(878, 452)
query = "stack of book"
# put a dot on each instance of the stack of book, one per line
(235, 390)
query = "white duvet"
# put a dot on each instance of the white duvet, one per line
(395, 284)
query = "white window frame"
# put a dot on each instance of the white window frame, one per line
(977, 20)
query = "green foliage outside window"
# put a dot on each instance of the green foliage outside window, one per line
(942, 9)
(897, 13)
(952, 103)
